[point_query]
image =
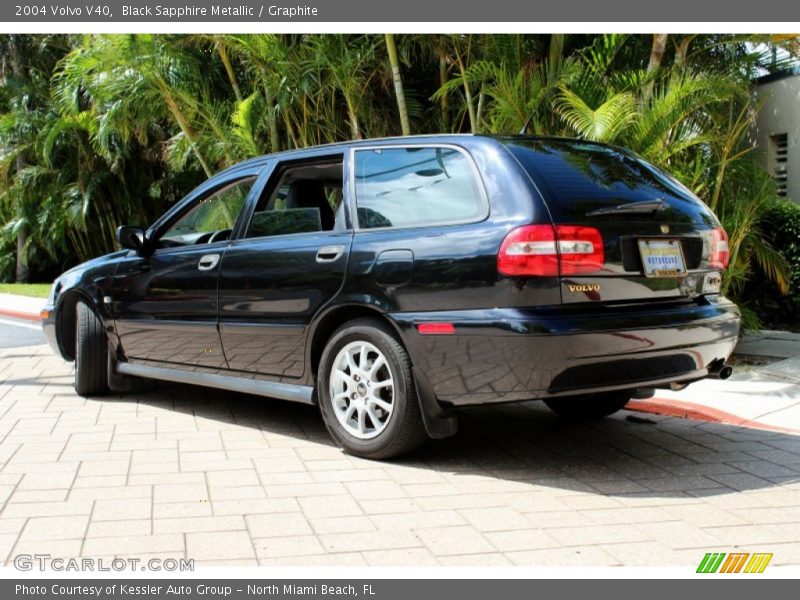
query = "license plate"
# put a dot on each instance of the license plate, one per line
(662, 258)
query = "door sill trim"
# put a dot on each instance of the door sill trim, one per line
(271, 389)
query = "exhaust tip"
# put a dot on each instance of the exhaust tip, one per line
(720, 370)
(725, 372)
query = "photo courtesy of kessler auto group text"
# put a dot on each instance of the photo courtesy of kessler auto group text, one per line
(350, 299)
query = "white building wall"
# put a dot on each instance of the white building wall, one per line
(780, 115)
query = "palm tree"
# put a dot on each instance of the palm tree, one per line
(591, 103)
(28, 62)
(16, 51)
(391, 50)
(346, 64)
(266, 57)
(135, 80)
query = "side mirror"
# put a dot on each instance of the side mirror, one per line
(131, 238)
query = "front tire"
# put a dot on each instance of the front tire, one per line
(589, 407)
(91, 353)
(366, 392)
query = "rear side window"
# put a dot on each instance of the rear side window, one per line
(580, 177)
(408, 187)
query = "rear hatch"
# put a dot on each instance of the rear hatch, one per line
(625, 231)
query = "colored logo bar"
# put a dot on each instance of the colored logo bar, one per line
(735, 562)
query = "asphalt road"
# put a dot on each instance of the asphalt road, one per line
(15, 333)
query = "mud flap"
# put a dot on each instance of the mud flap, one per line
(438, 423)
(120, 383)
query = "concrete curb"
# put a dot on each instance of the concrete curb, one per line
(16, 314)
(17, 306)
(698, 412)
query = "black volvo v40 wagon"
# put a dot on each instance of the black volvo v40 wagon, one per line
(391, 281)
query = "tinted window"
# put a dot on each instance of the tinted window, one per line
(403, 187)
(282, 221)
(306, 198)
(578, 177)
(216, 213)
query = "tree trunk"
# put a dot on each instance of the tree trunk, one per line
(682, 50)
(391, 49)
(443, 80)
(186, 128)
(554, 56)
(272, 121)
(355, 131)
(22, 259)
(657, 53)
(226, 61)
(291, 137)
(473, 117)
(21, 76)
(22, 272)
(656, 56)
(479, 113)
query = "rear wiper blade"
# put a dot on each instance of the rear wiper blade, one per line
(648, 206)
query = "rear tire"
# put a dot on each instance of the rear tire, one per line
(91, 353)
(589, 407)
(366, 392)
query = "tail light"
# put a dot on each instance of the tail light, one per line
(719, 255)
(549, 251)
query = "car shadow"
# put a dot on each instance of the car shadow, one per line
(629, 454)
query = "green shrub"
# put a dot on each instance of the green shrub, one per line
(781, 228)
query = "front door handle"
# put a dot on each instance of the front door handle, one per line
(208, 262)
(328, 254)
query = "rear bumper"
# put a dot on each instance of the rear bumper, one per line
(505, 355)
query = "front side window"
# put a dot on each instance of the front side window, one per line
(407, 187)
(212, 218)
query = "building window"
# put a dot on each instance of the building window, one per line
(778, 151)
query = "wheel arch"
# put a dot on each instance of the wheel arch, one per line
(66, 320)
(330, 321)
(438, 422)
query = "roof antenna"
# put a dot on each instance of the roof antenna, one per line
(524, 129)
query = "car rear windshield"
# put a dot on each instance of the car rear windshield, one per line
(578, 178)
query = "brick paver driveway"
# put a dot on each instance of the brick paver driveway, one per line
(179, 471)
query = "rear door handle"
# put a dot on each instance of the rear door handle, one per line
(208, 262)
(328, 254)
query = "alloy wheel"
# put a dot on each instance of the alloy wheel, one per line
(362, 390)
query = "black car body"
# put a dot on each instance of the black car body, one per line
(507, 268)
